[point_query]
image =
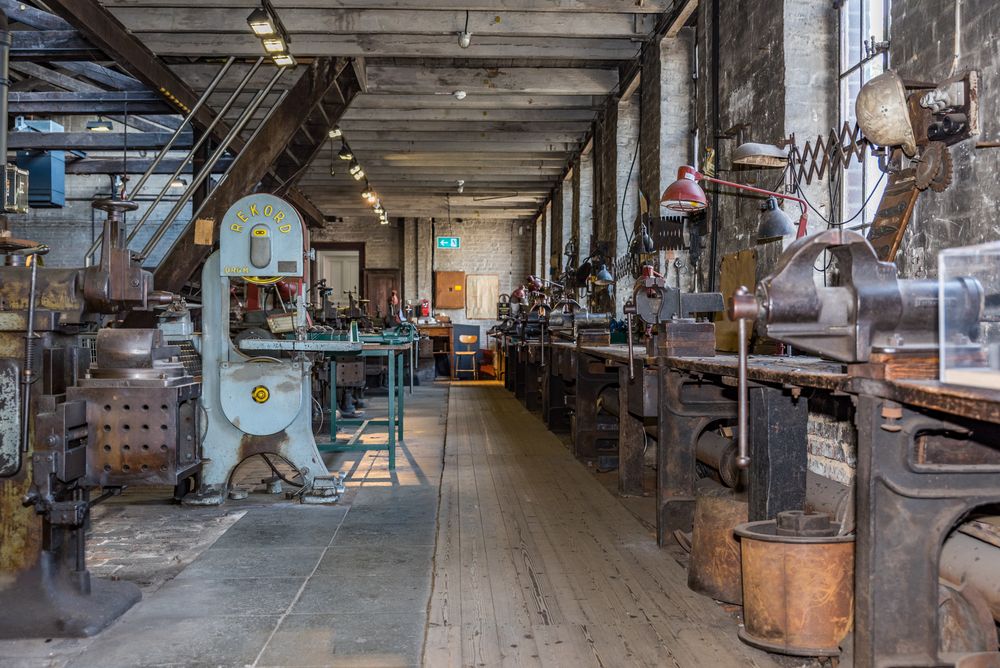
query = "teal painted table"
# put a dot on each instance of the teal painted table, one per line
(394, 354)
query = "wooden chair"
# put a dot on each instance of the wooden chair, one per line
(469, 340)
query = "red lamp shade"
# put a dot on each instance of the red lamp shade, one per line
(685, 194)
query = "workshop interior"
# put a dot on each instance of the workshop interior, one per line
(513, 333)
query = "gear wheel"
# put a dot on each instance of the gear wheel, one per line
(934, 170)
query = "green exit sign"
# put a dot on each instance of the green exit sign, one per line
(449, 242)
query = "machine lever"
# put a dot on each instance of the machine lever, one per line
(743, 309)
(630, 310)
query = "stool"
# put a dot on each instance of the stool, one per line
(471, 341)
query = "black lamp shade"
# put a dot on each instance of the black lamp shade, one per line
(774, 223)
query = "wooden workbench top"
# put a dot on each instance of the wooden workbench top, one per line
(798, 370)
(969, 402)
(618, 352)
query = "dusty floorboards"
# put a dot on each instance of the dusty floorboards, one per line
(537, 564)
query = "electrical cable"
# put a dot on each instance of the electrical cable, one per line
(628, 182)
(278, 474)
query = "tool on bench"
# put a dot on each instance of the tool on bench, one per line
(871, 310)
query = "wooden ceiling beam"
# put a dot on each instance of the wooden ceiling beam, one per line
(410, 101)
(87, 104)
(49, 45)
(93, 141)
(408, 127)
(222, 21)
(495, 6)
(387, 79)
(483, 115)
(597, 49)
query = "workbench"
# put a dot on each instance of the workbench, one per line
(441, 332)
(394, 354)
(925, 450)
(927, 456)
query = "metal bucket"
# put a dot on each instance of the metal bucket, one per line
(798, 584)
(714, 567)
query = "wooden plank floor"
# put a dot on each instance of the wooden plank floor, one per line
(537, 564)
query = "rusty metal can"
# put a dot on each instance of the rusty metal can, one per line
(798, 584)
(714, 569)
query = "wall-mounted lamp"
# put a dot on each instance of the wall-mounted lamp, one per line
(774, 223)
(752, 154)
(685, 195)
(602, 276)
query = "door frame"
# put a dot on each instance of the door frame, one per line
(358, 246)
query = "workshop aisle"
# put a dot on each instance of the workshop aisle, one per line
(291, 585)
(537, 564)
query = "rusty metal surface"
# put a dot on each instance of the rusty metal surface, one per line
(10, 417)
(715, 566)
(798, 597)
(966, 624)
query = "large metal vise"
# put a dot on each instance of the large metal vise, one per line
(871, 308)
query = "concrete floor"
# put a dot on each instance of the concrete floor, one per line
(274, 583)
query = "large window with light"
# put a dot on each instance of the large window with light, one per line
(864, 53)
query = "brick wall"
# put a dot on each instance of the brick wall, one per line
(626, 192)
(583, 201)
(383, 243)
(922, 46)
(557, 238)
(488, 247)
(605, 177)
(70, 230)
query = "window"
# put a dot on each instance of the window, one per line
(864, 31)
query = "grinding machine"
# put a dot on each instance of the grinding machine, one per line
(69, 425)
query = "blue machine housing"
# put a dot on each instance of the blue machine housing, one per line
(46, 169)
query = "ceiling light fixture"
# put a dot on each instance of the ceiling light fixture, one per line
(465, 37)
(178, 183)
(284, 60)
(274, 45)
(459, 94)
(100, 125)
(262, 23)
(345, 153)
(335, 132)
(461, 186)
(266, 24)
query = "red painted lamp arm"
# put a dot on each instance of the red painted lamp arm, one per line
(803, 218)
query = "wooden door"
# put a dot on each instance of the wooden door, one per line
(379, 284)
